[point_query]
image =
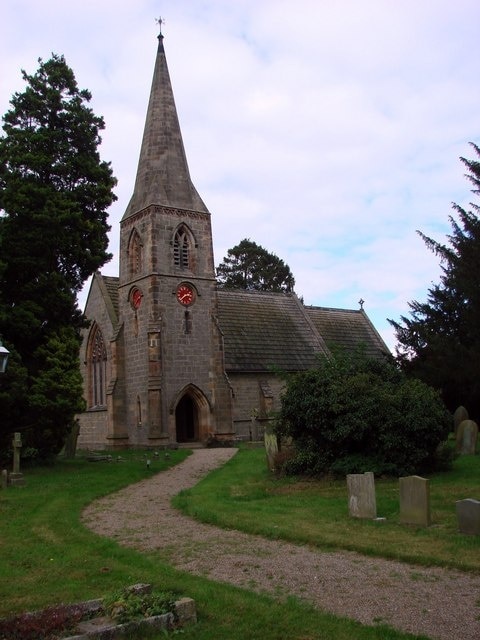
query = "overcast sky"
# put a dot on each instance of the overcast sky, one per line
(327, 131)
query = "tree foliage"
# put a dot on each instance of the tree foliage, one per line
(440, 341)
(54, 196)
(250, 266)
(354, 414)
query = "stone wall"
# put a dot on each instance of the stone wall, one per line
(94, 421)
(173, 350)
(256, 398)
(93, 430)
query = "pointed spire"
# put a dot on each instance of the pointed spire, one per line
(163, 177)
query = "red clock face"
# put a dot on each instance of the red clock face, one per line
(136, 298)
(185, 294)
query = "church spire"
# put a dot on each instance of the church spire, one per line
(163, 177)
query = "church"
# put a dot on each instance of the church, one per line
(169, 357)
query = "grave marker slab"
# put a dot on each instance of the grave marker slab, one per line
(415, 501)
(467, 434)
(459, 416)
(16, 478)
(17, 445)
(468, 515)
(271, 447)
(361, 495)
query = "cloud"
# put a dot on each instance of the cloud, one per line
(328, 132)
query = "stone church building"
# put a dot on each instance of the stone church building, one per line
(169, 357)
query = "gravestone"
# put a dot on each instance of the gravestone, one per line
(459, 416)
(468, 515)
(361, 495)
(17, 445)
(4, 479)
(16, 478)
(415, 501)
(467, 434)
(271, 447)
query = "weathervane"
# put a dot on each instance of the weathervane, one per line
(160, 21)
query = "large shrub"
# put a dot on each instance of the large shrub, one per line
(353, 414)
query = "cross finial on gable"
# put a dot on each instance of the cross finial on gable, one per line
(361, 302)
(160, 21)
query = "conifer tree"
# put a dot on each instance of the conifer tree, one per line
(250, 266)
(54, 196)
(440, 341)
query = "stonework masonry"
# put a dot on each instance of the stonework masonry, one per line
(166, 358)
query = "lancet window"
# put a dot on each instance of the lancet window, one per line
(97, 370)
(182, 248)
(135, 253)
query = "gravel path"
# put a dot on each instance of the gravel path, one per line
(435, 602)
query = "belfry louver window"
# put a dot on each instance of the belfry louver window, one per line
(181, 249)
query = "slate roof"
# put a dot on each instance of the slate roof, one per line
(109, 288)
(111, 284)
(264, 330)
(347, 328)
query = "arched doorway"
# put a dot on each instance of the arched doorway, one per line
(186, 419)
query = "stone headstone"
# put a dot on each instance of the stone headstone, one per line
(186, 610)
(4, 479)
(361, 495)
(17, 445)
(16, 479)
(271, 447)
(459, 416)
(466, 438)
(415, 501)
(468, 515)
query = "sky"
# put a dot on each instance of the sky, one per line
(326, 131)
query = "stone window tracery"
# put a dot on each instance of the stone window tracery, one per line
(97, 365)
(181, 248)
(135, 253)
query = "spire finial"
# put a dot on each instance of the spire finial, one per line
(160, 21)
(361, 302)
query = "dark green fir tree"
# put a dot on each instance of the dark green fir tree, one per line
(250, 266)
(54, 196)
(440, 341)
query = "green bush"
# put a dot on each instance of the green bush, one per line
(353, 414)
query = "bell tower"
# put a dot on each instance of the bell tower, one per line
(175, 382)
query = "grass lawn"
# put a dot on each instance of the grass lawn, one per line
(244, 495)
(48, 557)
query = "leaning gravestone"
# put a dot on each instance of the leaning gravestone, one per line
(468, 515)
(467, 434)
(271, 447)
(459, 416)
(361, 495)
(415, 501)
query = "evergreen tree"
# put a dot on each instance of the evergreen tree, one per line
(54, 196)
(353, 414)
(250, 266)
(440, 341)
